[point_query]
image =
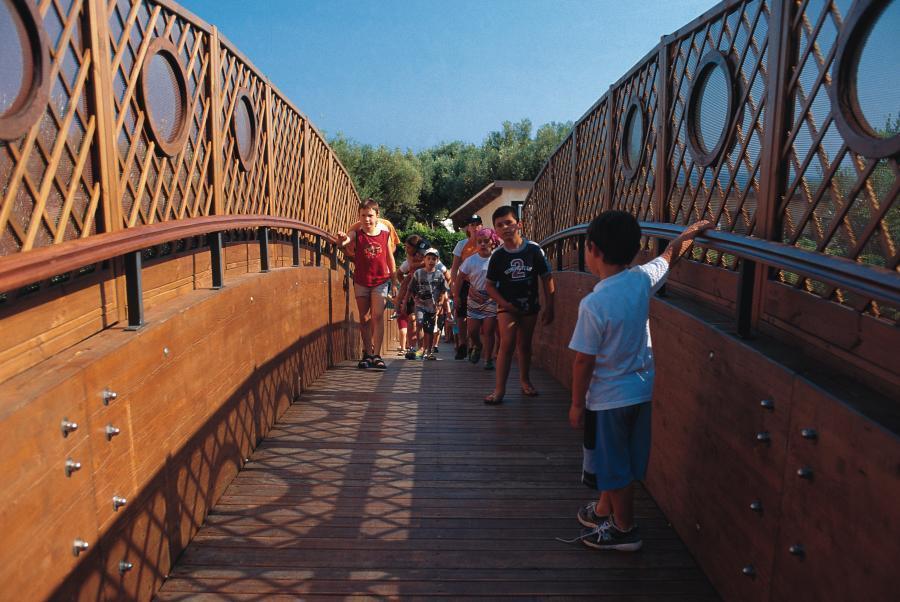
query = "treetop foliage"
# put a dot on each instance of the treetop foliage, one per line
(426, 186)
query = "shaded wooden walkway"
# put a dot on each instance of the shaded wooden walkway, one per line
(403, 484)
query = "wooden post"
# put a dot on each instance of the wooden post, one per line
(776, 125)
(304, 201)
(100, 100)
(573, 216)
(608, 149)
(216, 130)
(663, 135)
(270, 164)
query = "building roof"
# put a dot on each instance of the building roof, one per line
(483, 197)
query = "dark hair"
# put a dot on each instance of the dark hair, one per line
(370, 204)
(503, 211)
(413, 240)
(618, 236)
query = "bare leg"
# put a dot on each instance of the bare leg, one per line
(604, 506)
(509, 327)
(402, 333)
(523, 347)
(489, 330)
(622, 502)
(365, 320)
(377, 302)
(473, 326)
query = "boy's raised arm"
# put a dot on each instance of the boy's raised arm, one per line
(680, 245)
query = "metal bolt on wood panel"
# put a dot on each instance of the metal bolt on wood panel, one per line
(166, 351)
(111, 432)
(79, 546)
(763, 437)
(118, 502)
(767, 404)
(805, 472)
(108, 396)
(125, 566)
(809, 433)
(749, 570)
(756, 506)
(797, 550)
(72, 466)
(68, 426)
(712, 354)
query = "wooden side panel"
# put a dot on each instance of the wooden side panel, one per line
(196, 389)
(845, 516)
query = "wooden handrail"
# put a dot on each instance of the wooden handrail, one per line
(26, 268)
(873, 281)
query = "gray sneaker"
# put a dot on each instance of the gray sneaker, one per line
(588, 516)
(609, 537)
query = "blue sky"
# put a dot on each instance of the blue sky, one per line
(413, 73)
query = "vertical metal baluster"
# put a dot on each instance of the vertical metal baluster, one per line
(745, 298)
(263, 236)
(295, 246)
(134, 290)
(217, 265)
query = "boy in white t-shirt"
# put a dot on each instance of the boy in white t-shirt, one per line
(613, 374)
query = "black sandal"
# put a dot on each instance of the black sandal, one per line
(377, 362)
(365, 362)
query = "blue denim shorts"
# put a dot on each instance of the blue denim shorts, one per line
(616, 446)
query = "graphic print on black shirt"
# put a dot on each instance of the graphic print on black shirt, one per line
(516, 273)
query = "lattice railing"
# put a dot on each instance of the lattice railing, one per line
(142, 114)
(744, 119)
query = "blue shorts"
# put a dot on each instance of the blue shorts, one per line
(616, 446)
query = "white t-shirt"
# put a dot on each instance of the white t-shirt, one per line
(475, 268)
(458, 249)
(404, 267)
(613, 325)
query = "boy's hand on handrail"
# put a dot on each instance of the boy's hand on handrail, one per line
(680, 245)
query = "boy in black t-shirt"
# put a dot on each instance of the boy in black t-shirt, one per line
(512, 281)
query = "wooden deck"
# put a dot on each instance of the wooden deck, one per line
(403, 484)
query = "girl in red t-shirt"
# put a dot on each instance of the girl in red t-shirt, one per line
(372, 252)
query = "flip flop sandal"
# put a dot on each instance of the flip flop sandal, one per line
(365, 362)
(530, 391)
(378, 363)
(493, 400)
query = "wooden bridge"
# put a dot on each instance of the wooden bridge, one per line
(178, 417)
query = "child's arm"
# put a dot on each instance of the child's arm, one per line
(496, 296)
(392, 262)
(680, 245)
(457, 285)
(582, 370)
(549, 295)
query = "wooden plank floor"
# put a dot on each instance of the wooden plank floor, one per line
(403, 484)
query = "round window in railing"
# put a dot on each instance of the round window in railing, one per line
(711, 104)
(631, 142)
(163, 97)
(865, 89)
(244, 129)
(24, 68)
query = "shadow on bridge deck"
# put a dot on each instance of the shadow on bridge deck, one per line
(403, 484)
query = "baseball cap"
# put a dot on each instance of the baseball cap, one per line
(433, 251)
(474, 219)
(423, 246)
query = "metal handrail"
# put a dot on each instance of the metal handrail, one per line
(872, 281)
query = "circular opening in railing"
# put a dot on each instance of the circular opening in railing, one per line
(244, 129)
(24, 77)
(631, 144)
(164, 97)
(710, 108)
(864, 88)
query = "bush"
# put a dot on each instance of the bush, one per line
(440, 239)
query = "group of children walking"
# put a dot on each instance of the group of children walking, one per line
(499, 281)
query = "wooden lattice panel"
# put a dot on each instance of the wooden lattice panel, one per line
(344, 203)
(288, 128)
(538, 209)
(837, 201)
(562, 171)
(727, 190)
(591, 136)
(48, 192)
(246, 190)
(153, 187)
(317, 188)
(635, 194)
